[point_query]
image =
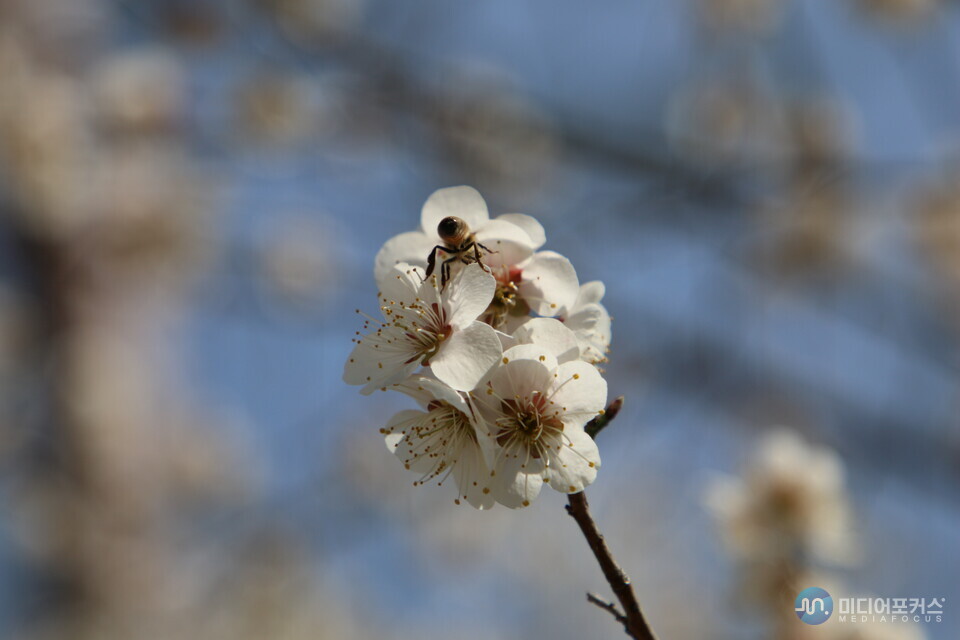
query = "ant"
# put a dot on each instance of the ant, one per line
(460, 243)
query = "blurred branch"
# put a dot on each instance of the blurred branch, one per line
(398, 88)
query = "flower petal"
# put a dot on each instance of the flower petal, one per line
(400, 424)
(526, 368)
(550, 334)
(575, 464)
(591, 325)
(424, 388)
(592, 291)
(400, 283)
(464, 202)
(532, 352)
(549, 284)
(466, 356)
(510, 245)
(402, 427)
(506, 340)
(366, 366)
(473, 479)
(580, 390)
(482, 410)
(514, 486)
(468, 295)
(529, 224)
(412, 247)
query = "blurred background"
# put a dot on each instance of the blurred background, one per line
(191, 196)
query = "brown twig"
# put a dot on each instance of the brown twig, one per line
(606, 605)
(633, 622)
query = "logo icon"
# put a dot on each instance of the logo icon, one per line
(813, 605)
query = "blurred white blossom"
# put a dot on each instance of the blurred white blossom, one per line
(140, 91)
(790, 500)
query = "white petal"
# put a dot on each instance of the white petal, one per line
(526, 368)
(591, 317)
(529, 224)
(410, 451)
(483, 411)
(468, 295)
(506, 340)
(549, 284)
(412, 247)
(464, 202)
(424, 388)
(473, 479)
(515, 487)
(510, 245)
(592, 291)
(400, 283)
(591, 325)
(392, 440)
(446, 393)
(466, 356)
(401, 426)
(550, 334)
(575, 464)
(532, 352)
(411, 386)
(580, 390)
(367, 366)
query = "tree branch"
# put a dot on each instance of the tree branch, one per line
(633, 622)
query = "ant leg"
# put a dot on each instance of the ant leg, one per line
(432, 259)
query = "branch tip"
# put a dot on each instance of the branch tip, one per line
(598, 423)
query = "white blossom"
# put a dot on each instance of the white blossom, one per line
(426, 325)
(590, 322)
(533, 412)
(441, 440)
(790, 499)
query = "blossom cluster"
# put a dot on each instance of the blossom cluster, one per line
(498, 343)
